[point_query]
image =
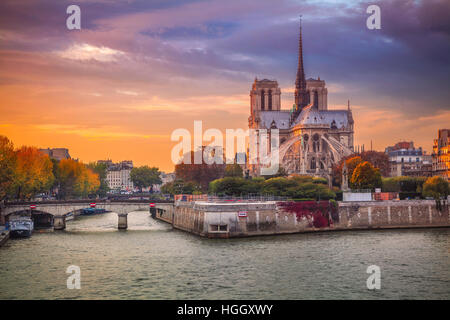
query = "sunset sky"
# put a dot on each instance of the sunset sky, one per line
(137, 70)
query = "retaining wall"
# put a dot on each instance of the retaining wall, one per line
(222, 220)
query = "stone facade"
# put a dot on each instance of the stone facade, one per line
(56, 153)
(406, 160)
(118, 175)
(312, 137)
(441, 154)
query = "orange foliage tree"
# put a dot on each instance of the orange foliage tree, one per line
(32, 174)
(365, 176)
(75, 179)
(7, 166)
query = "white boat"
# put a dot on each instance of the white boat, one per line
(21, 227)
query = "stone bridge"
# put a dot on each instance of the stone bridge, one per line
(60, 209)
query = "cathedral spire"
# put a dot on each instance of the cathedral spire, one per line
(300, 82)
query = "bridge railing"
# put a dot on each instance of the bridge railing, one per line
(87, 201)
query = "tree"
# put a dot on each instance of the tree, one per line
(201, 174)
(233, 170)
(403, 184)
(180, 187)
(296, 186)
(101, 169)
(436, 187)
(143, 177)
(352, 162)
(76, 180)
(366, 176)
(378, 159)
(228, 186)
(33, 173)
(7, 166)
(280, 173)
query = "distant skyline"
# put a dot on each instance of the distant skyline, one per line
(137, 70)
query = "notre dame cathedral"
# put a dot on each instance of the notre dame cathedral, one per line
(312, 138)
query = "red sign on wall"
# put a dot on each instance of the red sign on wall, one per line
(152, 205)
(32, 206)
(242, 214)
(92, 205)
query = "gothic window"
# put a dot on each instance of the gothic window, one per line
(270, 99)
(316, 143)
(316, 99)
(262, 100)
(313, 163)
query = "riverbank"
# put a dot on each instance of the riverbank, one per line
(228, 220)
(4, 235)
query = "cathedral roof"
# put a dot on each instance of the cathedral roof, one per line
(281, 119)
(331, 118)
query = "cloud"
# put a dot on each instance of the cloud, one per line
(146, 67)
(85, 51)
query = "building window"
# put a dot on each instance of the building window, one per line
(313, 163)
(218, 228)
(316, 99)
(270, 100)
(263, 102)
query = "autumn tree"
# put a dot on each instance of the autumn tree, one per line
(378, 159)
(352, 162)
(143, 177)
(365, 176)
(201, 174)
(32, 173)
(7, 166)
(76, 179)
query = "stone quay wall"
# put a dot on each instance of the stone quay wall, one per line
(226, 220)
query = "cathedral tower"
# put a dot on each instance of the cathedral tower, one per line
(301, 95)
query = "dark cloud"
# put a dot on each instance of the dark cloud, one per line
(405, 65)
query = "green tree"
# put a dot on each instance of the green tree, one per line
(180, 187)
(435, 187)
(278, 186)
(101, 169)
(233, 170)
(143, 177)
(365, 176)
(7, 166)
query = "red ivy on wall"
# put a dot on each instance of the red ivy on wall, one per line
(317, 211)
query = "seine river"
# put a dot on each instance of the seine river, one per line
(152, 261)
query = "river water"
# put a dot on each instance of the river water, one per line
(152, 261)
